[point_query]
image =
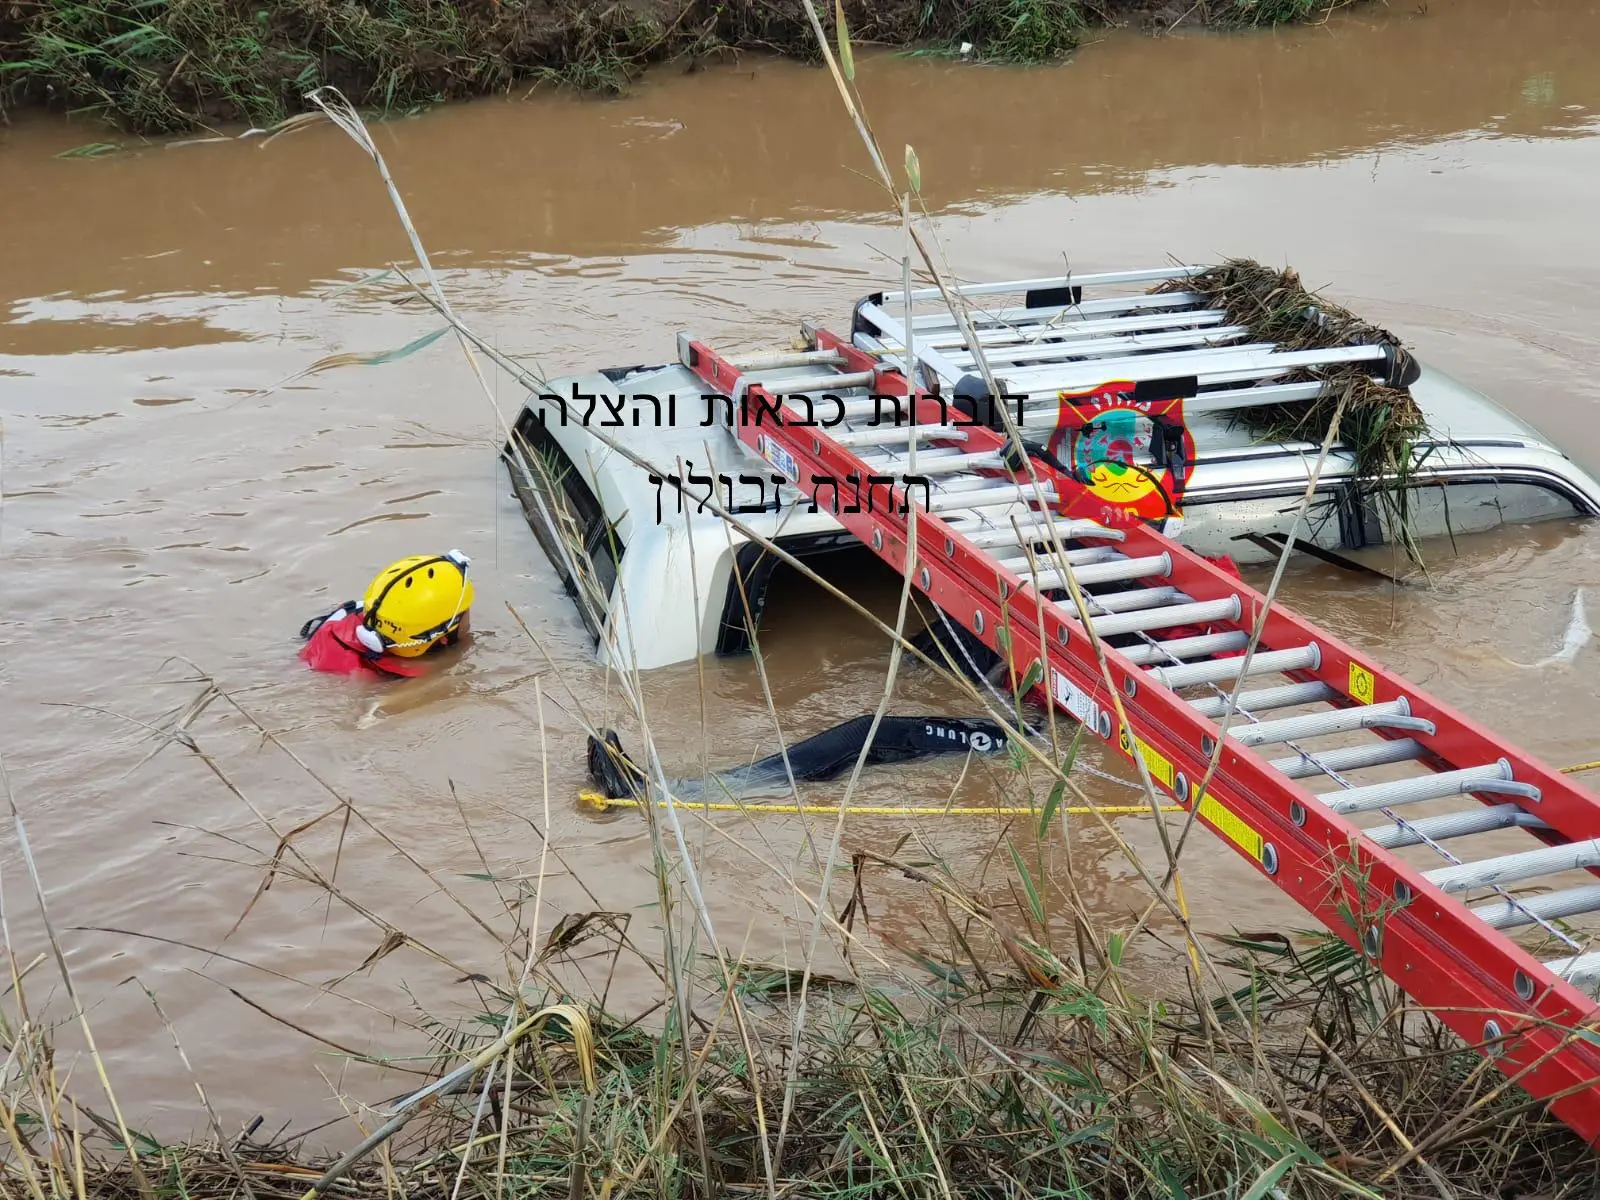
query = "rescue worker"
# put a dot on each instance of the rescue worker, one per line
(413, 606)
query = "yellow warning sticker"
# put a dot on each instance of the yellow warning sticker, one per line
(1232, 828)
(1163, 772)
(1159, 766)
(1362, 684)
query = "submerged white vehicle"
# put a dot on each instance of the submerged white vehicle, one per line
(671, 580)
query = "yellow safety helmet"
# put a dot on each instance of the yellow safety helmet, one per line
(415, 602)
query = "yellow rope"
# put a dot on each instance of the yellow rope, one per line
(597, 801)
(601, 803)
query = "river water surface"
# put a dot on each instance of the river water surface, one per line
(1433, 168)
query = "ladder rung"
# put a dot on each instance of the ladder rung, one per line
(1010, 493)
(1006, 535)
(1265, 699)
(1165, 618)
(779, 359)
(1299, 658)
(1580, 970)
(1089, 554)
(1317, 724)
(1132, 599)
(1526, 910)
(899, 435)
(1452, 825)
(1107, 572)
(931, 463)
(1512, 868)
(1496, 777)
(1349, 758)
(805, 385)
(1186, 647)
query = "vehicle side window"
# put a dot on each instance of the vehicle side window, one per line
(580, 516)
(1213, 526)
(1448, 507)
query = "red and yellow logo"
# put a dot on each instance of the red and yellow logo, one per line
(1104, 437)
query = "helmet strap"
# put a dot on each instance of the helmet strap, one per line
(367, 631)
(372, 613)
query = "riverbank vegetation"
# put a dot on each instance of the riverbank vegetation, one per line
(160, 66)
(1005, 1051)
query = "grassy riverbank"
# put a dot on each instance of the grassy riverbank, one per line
(156, 66)
(978, 1062)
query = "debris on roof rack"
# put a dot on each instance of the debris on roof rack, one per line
(1382, 422)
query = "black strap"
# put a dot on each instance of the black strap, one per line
(372, 613)
(316, 623)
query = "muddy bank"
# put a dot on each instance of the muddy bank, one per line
(162, 67)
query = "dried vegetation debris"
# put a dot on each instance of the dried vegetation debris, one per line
(1380, 423)
(160, 66)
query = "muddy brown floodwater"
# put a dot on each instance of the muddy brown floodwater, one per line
(1437, 172)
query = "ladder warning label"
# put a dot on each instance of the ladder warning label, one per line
(1162, 771)
(1078, 702)
(1362, 683)
(779, 457)
(1159, 766)
(1231, 827)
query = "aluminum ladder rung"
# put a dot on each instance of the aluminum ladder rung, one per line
(1266, 699)
(1580, 970)
(1186, 647)
(1006, 535)
(1496, 777)
(1107, 572)
(779, 359)
(808, 385)
(1527, 910)
(1337, 720)
(932, 464)
(1513, 868)
(1349, 758)
(947, 500)
(1452, 825)
(1033, 353)
(899, 435)
(1021, 565)
(1131, 600)
(1299, 658)
(1144, 619)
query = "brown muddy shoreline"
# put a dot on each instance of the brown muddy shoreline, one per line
(166, 67)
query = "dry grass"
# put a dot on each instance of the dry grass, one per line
(980, 1060)
(1382, 427)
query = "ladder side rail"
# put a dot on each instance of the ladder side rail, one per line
(1447, 959)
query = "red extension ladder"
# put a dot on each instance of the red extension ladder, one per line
(1441, 928)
